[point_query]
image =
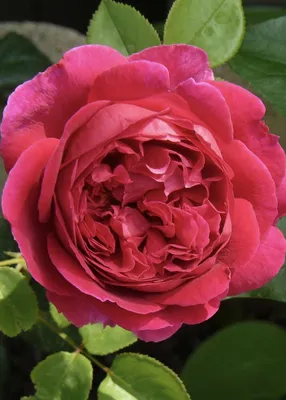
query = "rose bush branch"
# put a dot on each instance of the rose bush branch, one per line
(78, 348)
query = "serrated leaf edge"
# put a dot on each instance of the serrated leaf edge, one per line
(74, 354)
(20, 327)
(158, 363)
(235, 51)
(110, 352)
(123, 6)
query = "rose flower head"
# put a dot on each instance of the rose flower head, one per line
(141, 191)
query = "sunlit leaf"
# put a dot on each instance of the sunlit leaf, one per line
(59, 318)
(63, 376)
(122, 27)
(18, 304)
(217, 26)
(138, 377)
(102, 341)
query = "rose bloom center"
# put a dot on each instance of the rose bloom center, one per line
(149, 212)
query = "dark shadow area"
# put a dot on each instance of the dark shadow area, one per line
(77, 14)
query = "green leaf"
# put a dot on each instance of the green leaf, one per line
(101, 341)
(217, 26)
(63, 376)
(245, 361)
(256, 14)
(282, 225)
(122, 27)
(261, 61)
(43, 339)
(59, 318)
(28, 398)
(18, 304)
(20, 60)
(139, 377)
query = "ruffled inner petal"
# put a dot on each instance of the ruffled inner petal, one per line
(145, 210)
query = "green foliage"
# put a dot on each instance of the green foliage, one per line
(122, 27)
(18, 304)
(20, 60)
(245, 361)
(282, 225)
(63, 376)
(261, 61)
(28, 398)
(256, 14)
(44, 339)
(139, 377)
(101, 341)
(217, 26)
(59, 318)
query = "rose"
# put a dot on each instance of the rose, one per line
(141, 191)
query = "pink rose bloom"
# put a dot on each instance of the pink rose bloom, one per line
(141, 191)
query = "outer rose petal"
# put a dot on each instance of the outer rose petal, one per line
(193, 315)
(182, 61)
(201, 97)
(78, 309)
(95, 309)
(130, 81)
(264, 265)
(159, 334)
(252, 181)
(19, 204)
(198, 291)
(81, 309)
(247, 111)
(245, 237)
(40, 107)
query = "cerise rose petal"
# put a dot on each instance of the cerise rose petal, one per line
(74, 274)
(200, 96)
(142, 190)
(257, 187)
(250, 130)
(263, 267)
(139, 78)
(159, 334)
(199, 290)
(182, 61)
(19, 200)
(40, 108)
(245, 238)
